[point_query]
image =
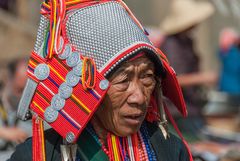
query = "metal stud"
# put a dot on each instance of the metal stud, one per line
(70, 137)
(104, 84)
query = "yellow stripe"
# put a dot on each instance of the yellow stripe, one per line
(116, 155)
(56, 73)
(32, 63)
(73, 2)
(114, 148)
(38, 106)
(78, 101)
(47, 5)
(43, 140)
(53, 29)
(67, 3)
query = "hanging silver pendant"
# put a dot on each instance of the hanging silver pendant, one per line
(163, 131)
(68, 152)
(163, 127)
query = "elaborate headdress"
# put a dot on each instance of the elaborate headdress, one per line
(79, 44)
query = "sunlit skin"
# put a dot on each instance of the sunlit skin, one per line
(125, 105)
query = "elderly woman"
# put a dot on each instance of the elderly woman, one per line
(98, 81)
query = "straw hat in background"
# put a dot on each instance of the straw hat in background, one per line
(184, 14)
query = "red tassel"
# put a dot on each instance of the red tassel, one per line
(38, 142)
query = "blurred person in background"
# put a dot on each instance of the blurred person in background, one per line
(13, 130)
(226, 99)
(178, 45)
(229, 54)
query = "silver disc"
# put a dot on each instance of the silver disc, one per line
(50, 115)
(104, 84)
(57, 102)
(73, 59)
(71, 79)
(65, 91)
(70, 137)
(78, 69)
(42, 71)
(66, 53)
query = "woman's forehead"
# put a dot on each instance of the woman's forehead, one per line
(140, 61)
(143, 63)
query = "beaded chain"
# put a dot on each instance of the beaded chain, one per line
(142, 147)
(145, 149)
(146, 138)
(90, 129)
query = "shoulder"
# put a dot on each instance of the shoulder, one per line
(23, 151)
(171, 148)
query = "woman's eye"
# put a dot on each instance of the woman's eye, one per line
(148, 75)
(121, 84)
(148, 79)
(123, 81)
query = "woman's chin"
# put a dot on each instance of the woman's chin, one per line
(127, 131)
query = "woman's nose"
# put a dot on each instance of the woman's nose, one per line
(137, 95)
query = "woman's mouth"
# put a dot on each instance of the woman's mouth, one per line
(134, 119)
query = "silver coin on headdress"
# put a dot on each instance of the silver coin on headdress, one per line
(71, 79)
(104, 84)
(70, 137)
(50, 114)
(66, 53)
(65, 91)
(42, 71)
(73, 59)
(57, 103)
(78, 69)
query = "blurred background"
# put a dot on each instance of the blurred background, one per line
(214, 37)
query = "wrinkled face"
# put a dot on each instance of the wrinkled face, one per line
(125, 105)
